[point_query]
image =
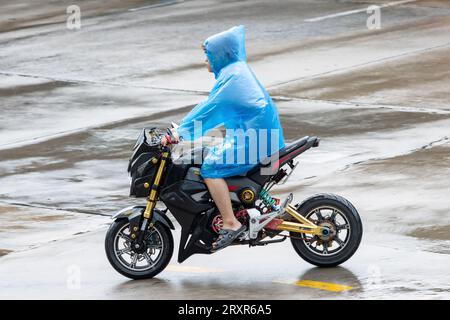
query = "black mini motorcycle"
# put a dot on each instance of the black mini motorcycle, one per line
(325, 229)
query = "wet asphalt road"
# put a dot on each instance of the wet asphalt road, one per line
(73, 101)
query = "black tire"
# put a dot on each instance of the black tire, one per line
(162, 262)
(354, 238)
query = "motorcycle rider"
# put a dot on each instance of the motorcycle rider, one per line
(240, 103)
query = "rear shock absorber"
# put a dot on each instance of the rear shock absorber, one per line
(267, 201)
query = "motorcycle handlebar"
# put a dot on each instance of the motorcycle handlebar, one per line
(169, 138)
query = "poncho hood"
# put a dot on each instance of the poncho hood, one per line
(225, 48)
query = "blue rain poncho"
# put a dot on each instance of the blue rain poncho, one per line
(238, 102)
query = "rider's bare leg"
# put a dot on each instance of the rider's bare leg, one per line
(221, 196)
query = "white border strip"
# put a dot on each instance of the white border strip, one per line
(347, 13)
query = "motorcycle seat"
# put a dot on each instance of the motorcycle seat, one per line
(291, 147)
(284, 155)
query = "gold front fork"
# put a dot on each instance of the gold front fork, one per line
(305, 226)
(151, 200)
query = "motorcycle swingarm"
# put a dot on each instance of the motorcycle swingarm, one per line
(276, 221)
(302, 226)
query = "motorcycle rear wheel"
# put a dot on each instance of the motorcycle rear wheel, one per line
(345, 224)
(151, 261)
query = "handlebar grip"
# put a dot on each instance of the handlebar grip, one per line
(170, 137)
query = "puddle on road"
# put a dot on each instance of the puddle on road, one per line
(61, 111)
(23, 227)
(98, 187)
(350, 122)
(432, 232)
(4, 252)
(406, 83)
(31, 88)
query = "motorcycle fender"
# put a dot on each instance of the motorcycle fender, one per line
(134, 213)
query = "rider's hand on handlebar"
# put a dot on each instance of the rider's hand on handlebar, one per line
(164, 141)
(170, 138)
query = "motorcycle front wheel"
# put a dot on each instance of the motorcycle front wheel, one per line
(150, 260)
(344, 223)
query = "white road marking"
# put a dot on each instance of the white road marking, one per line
(347, 13)
(156, 5)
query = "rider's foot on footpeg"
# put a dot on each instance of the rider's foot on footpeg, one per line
(226, 237)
